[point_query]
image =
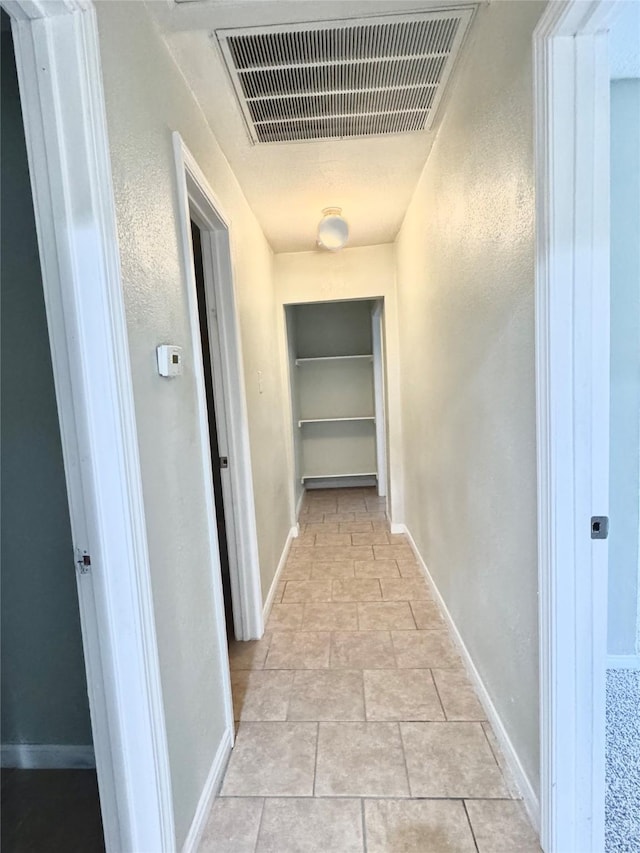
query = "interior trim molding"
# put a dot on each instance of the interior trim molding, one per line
(208, 795)
(571, 160)
(62, 99)
(520, 779)
(268, 604)
(194, 190)
(47, 756)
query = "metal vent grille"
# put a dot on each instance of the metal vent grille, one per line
(370, 77)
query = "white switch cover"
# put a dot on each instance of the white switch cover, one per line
(169, 360)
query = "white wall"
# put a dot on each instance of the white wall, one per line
(466, 319)
(366, 272)
(625, 367)
(147, 99)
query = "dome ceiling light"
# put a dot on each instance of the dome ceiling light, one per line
(333, 229)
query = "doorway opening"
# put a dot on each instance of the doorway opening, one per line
(222, 411)
(218, 461)
(50, 798)
(336, 372)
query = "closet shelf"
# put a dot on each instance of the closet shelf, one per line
(300, 361)
(337, 476)
(334, 420)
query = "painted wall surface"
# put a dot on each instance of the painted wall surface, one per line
(365, 272)
(44, 689)
(466, 319)
(147, 99)
(625, 367)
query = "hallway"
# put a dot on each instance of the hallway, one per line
(357, 727)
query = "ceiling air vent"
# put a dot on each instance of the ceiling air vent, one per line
(339, 79)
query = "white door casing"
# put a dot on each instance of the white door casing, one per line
(195, 197)
(572, 368)
(58, 63)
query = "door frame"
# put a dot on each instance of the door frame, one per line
(571, 79)
(377, 329)
(196, 198)
(62, 99)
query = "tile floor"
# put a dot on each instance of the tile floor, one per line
(358, 729)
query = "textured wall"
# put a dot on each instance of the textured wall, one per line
(44, 689)
(625, 367)
(466, 318)
(365, 272)
(146, 100)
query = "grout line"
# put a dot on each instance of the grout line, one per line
(473, 835)
(406, 766)
(315, 763)
(364, 825)
(435, 684)
(264, 800)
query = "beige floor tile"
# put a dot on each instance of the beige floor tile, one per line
(377, 569)
(318, 590)
(324, 540)
(352, 505)
(457, 695)
(330, 694)
(321, 527)
(232, 826)
(429, 649)
(277, 598)
(371, 516)
(286, 617)
(260, 695)
(272, 760)
(392, 615)
(401, 694)
(451, 760)
(296, 571)
(356, 527)
(337, 616)
(409, 568)
(312, 516)
(502, 826)
(417, 826)
(299, 650)
(514, 791)
(375, 537)
(352, 589)
(362, 650)
(427, 615)
(392, 552)
(311, 826)
(304, 540)
(405, 589)
(329, 553)
(249, 654)
(340, 516)
(335, 569)
(360, 760)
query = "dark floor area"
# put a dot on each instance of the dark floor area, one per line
(46, 811)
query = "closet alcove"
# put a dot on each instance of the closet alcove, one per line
(335, 367)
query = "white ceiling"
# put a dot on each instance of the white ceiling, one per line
(287, 185)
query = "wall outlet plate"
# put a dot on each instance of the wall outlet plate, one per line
(169, 360)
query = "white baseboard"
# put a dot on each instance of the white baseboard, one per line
(529, 797)
(399, 528)
(299, 505)
(623, 661)
(46, 756)
(353, 482)
(293, 534)
(211, 788)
